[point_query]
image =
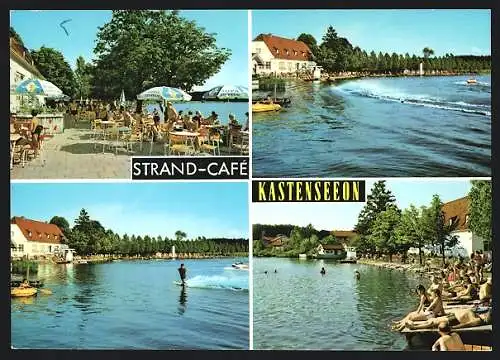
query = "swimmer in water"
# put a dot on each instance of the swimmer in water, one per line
(265, 272)
(323, 271)
(275, 271)
(357, 274)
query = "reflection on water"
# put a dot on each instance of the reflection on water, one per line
(434, 126)
(336, 310)
(182, 301)
(130, 305)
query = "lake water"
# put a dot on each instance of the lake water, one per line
(378, 127)
(136, 305)
(223, 109)
(297, 308)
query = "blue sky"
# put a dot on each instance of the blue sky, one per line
(343, 216)
(39, 28)
(199, 209)
(461, 32)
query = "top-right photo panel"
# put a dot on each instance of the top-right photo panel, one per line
(371, 93)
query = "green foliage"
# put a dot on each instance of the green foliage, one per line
(382, 234)
(436, 229)
(480, 209)
(83, 78)
(337, 54)
(139, 49)
(411, 230)
(21, 266)
(55, 68)
(270, 82)
(62, 223)
(88, 236)
(310, 41)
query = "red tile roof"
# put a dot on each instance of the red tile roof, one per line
(286, 49)
(273, 241)
(23, 57)
(458, 209)
(38, 231)
(343, 233)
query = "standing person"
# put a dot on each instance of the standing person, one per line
(357, 274)
(172, 114)
(246, 126)
(448, 341)
(36, 131)
(182, 274)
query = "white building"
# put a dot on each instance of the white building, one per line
(468, 242)
(276, 55)
(21, 67)
(35, 238)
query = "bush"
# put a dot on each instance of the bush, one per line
(21, 266)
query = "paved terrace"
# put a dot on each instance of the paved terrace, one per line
(75, 155)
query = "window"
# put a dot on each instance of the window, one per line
(20, 247)
(39, 235)
(277, 51)
(29, 233)
(282, 65)
(467, 219)
(295, 52)
(297, 66)
(287, 52)
(258, 50)
(486, 246)
(55, 237)
(268, 65)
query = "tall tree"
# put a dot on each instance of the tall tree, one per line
(427, 52)
(438, 231)
(480, 209)
(410, 231)
(310, 41)
(83, 77)
(55, 68)
(180, 235)
(383, 234)
(138, 49)
(62, 223)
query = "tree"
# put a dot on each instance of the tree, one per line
(310, 41)
(55, 68)
(439, 232)
(83, 77)
(410, 232)
(383, 234)
(480, 209)
(16, 36)
(427, 52)
(138, 49)
(180, 235)
(61, 223)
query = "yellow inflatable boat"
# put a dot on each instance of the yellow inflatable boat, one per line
(23, 292)
(265, 107)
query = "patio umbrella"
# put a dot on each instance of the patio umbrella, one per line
(122, 98)
(60, 97)
(227, 92)
(166, 93)
(37, 87)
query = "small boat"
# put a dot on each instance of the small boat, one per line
(348, 261)
(23, 292)
(240, 266)
(283, 102)
(63, 262)
(471, 81)
(259, 107)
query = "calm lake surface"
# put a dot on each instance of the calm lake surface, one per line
(136, 305)
(297, 308)
(377, 127)
(223, 109)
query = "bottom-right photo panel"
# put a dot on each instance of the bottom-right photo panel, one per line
(409, 269)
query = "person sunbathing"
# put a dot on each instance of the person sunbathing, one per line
(457, 318)
(424, 301)
(469, 293)
(435, 284)
(448, 341)
(434, 310)
(485, 291)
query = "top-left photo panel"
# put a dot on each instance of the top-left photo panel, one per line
(89, 89)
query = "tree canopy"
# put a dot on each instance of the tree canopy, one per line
(139, 49)
(55, 68)
(480, 209)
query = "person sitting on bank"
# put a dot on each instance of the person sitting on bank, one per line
(182, 274)
(448, 341)
(469, 293)
(435, 284)
(485, 291)
(458, 318)
(417, 314)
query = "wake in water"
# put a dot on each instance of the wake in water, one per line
(378, 91)
(237, 283)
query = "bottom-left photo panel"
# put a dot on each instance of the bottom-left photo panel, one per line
(129, 265)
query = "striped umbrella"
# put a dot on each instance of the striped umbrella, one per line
(38, 87)
(227, 92)
(160, 93)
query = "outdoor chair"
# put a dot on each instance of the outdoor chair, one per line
(241, 143)
(209, 142)
(179, 145)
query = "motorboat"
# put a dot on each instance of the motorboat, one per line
(23, 291)
(260, 107)
(240, 266)
(471, 81)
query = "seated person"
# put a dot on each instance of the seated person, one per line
(457, 318)
(485, 291)
(245, 127)
(469, 293)
(448, 341)
(268, 100)
(198, 118)
(424, 301)
(232, 120)
(25, 284)
(434, 310)
(435, 284)
(210, 120)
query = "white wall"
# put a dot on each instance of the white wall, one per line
(18, 73)
(467, 244)
(31, 248)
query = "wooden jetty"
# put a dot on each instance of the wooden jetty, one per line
(348, 261)
(33, 283)
(424, 338)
